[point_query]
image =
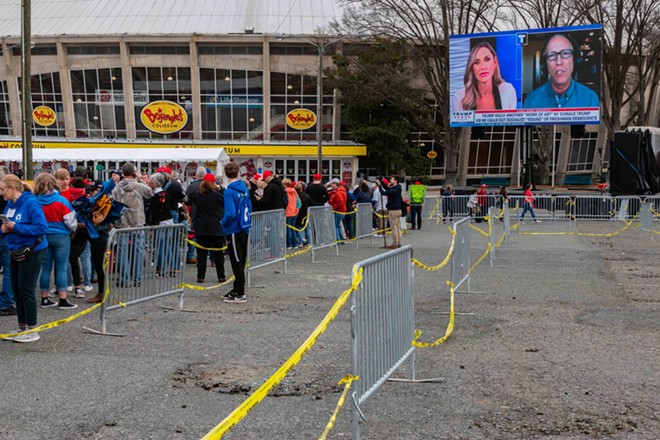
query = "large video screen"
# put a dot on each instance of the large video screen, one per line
(528, 77)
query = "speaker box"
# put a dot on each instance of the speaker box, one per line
(624, 163)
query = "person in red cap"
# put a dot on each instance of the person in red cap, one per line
(317, 192)
(256, 192)
(274, 194)
(417, 194)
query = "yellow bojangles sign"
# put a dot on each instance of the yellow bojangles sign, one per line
(44, 116)
(301, 119)
(164, 117)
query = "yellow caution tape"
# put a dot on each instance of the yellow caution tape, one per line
(295, 254)
(208, 249)
(304, 223)
(53, 324)
(580, 234)
(348, 380)
(120, 304)
(444, 262)
(485, 234)
(201, 288)
(377, 214)
(244, 408)
(450, 326)
(345, 213)
(483, 256)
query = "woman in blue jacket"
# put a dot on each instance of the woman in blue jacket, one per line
(25, 226)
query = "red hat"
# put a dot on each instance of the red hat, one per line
(385, 181)
(267, 173)
(209, 177)
(164, 169)
(417, 182)
(256, 176)
(484, 186)
(317, 176)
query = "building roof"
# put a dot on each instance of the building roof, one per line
(169, 17)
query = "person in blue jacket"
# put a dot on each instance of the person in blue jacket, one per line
(236, 223)
(24, 225)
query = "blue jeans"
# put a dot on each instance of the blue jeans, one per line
(528, 207)
(130, 258)
(57, 254)
(291, 235)
(6, 293)
(86, 261)
(338, 220)
(191, 251)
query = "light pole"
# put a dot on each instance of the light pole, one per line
(26, 126)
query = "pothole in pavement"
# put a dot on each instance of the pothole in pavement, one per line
(302, 381)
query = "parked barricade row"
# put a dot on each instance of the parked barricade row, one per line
(363, 222)
(460, 259)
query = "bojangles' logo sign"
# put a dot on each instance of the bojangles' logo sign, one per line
(44, 116)
(164, 117)
(301, 119)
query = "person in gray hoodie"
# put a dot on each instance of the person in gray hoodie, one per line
(130, 251)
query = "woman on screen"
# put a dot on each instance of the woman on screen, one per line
(484, 87)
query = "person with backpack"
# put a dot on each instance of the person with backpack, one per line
(236, 223)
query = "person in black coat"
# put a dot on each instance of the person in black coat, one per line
(209, 211)
(305, 203)
(394, 205)
(274, 193)
(317, 192)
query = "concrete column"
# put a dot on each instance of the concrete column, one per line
(196, 91)
(336, 115)
(266, 90)
(564, 153)
(13, 72)
(67, 92)
(127, 81)
(463, 156)
(514, 179)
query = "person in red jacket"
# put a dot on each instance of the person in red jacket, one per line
(338, 202)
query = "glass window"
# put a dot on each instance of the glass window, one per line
(232, 104)
(581, 157)
(46, 91)
(136, 49)
(162, 83)
(491, 151)
(290, 92)
(5, 113)
(98, 103)
(93, 49)
(213, 49)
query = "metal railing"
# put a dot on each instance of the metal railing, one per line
(460, 258)
(646, 218)
(506, 219)
(323, 231)
(548, 208)
(654, 201)
(146, 263)
(363, 222)
(267, 240)
(382, 324)
(432, 207)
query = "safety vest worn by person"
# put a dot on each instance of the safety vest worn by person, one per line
(417, 194)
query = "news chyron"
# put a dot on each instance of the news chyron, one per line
(546, 76)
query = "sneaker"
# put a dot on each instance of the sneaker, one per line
(30, 337)
(229, 294)
(69, 288)
(8, 311)
(88, 288)
(47, 302)
(11, 338)
(66, 305)
(537, 221)
(52, 293)
(80, 293)
(236, 299)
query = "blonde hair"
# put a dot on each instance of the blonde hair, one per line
(14, 182)
(44, 183)
(469, 101)
(286, 182)
(62, 173)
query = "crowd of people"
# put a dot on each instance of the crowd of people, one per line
(55, 233)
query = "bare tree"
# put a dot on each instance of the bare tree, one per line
(425, 25)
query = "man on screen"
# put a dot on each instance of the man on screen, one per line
(561, 91)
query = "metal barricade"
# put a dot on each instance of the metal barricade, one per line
(628, 207)
(646, 218)
(382, 324)
(323, 233)
(460, 258)
(654, 201)
(432, 207)
(492, 215)
(146, 263)
(506, 219)
(267, 240)
(363, 222)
